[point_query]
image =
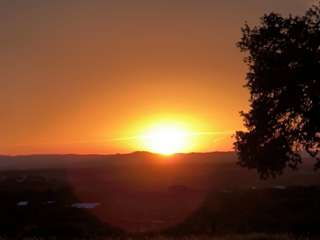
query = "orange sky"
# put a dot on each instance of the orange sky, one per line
(77, 76)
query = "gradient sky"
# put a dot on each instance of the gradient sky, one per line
(77, 76)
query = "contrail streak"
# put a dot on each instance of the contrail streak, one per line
(129, 138)
(188, 134)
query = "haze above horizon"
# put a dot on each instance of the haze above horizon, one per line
(122, 76)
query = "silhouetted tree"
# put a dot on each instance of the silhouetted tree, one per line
(283, 56)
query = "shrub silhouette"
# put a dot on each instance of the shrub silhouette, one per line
(283, 56)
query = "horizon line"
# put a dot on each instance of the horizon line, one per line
(112, 154)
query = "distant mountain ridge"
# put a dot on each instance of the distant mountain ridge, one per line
(43, 161)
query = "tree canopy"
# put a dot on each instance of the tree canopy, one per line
(283, 57)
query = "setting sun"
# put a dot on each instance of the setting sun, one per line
(166, 139)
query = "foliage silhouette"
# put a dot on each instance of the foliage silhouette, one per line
(283, 56)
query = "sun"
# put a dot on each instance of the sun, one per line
(166, 139)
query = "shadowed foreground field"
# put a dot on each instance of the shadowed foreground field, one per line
(228, 237)
(147, 196)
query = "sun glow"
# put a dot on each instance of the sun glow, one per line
(166, 139)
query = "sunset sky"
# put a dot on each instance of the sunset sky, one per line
(93, 76)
